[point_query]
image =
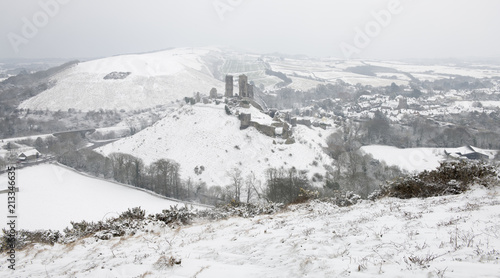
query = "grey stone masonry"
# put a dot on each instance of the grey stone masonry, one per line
(250, 91)
(229, 86)
(243, 85)
(213, 93)
(245, 120)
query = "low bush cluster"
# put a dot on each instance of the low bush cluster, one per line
(305, 195)
(343, 199)
(126, 223)
(25, 238)
(449, 178)
(103, 230)
(239, 210)
(134, 213)
(129, 222)
(174, 215)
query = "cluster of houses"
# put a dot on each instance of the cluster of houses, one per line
(19, 152)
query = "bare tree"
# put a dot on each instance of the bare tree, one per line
(250, 183)
(236, 182)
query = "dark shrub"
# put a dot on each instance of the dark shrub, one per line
(174, 215)
(448, 179)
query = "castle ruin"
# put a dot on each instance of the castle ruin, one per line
(229, 86)
(250, 90)
(243, 85)
(213, 93)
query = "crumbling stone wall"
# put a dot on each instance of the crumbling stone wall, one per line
(245, 120)
(304, 122)
(265, 129)
(213, 93)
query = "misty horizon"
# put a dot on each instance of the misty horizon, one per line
(388, 29)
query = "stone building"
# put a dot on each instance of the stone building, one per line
(213, 93)
(250, 90)
(229, 86)
(243, 85)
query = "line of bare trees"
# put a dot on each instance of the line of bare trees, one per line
(161, 177)
(284, 185)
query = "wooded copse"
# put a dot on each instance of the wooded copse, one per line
(163, 177)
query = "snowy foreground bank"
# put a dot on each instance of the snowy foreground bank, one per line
(451, 236)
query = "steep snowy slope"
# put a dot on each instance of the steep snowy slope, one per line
(450, 236)
(154, 78)
(204, 135)
(52, 196)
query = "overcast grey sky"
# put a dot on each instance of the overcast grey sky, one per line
(381, 29)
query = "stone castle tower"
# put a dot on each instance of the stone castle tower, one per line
(243, 85)
(229, 86)
(250, 90)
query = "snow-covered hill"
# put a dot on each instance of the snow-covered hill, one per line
(204, 135)
(154, 78)
(52, 196)
(145, 80)
(451, 236)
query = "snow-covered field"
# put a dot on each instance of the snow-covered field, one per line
(203, 135)
(443, 70)
(329, 71)
(52, 196)
(411, 159)
(416, 159)
(452, 236)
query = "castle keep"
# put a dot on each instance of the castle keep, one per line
(229, 86)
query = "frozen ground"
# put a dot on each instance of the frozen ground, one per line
(452, 236)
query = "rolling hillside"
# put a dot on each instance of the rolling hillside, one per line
(204, 135)
(130, 81)
(140, 81)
